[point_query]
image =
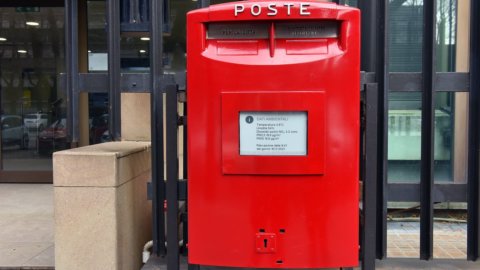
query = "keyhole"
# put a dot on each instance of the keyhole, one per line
(265, 243)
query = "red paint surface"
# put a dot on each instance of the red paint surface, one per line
(313, 198)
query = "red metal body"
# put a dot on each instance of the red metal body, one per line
(273, 211)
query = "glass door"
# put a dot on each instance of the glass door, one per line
(33, 107)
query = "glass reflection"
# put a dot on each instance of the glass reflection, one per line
(31, 56)
(404, 121)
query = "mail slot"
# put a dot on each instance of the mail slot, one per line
(273, 147)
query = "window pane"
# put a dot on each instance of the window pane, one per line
(443, 137)
(405, 35)
(135, 53)
(446, 35)
(97, 36)
(404, 137)
(31, 56)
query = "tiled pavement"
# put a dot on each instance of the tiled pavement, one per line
(26, 225)
(449, 238)
(26, 233)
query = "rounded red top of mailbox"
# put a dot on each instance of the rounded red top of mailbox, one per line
(274, 10)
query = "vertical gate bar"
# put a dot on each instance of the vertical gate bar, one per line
(113, 8)
(156, 103)
(374, 58)
(143, 10)
(369, 37)
(71, 38)
(473, 235)
(382, 157)
(185, 145)
(203, 3)
(173, 262)
(68, 63)
(185, 176)
(370, 178)
(125, 11)
(428, 121)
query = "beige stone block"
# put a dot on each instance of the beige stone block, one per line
(134, 219)
(135, 116)
(85, 228)
(102, 223)
(101, 165)
(102, 227)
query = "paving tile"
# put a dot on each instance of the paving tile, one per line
(28, 230)
(22, 199)
(440, 255)
(395, 254)
(44, 258)
(411, 254)
(26, 225)
(449, 240)
(17, 254)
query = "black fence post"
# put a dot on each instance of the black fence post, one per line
(370, 178)
(113, 8)
(369, 38)
(473, 236)
(173, 261)
(382, 76)
(71, 58)
(374, 58)
(428, 134)
(203, 3)
(156, 103)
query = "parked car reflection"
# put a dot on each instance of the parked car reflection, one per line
(36, 121)
(106, 137)
(53, 138)
(98, 127)
(13, 131)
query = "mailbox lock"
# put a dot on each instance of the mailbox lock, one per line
(266, 242)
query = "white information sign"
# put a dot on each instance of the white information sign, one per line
(273, 133)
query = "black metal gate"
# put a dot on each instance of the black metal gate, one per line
(375, 59)
(377, 82)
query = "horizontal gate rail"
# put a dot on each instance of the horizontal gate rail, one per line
(399, 81)
(403, 192)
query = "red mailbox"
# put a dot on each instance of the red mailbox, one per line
(273, 117)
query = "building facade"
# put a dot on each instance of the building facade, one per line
(34, 97)
(78, 72)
